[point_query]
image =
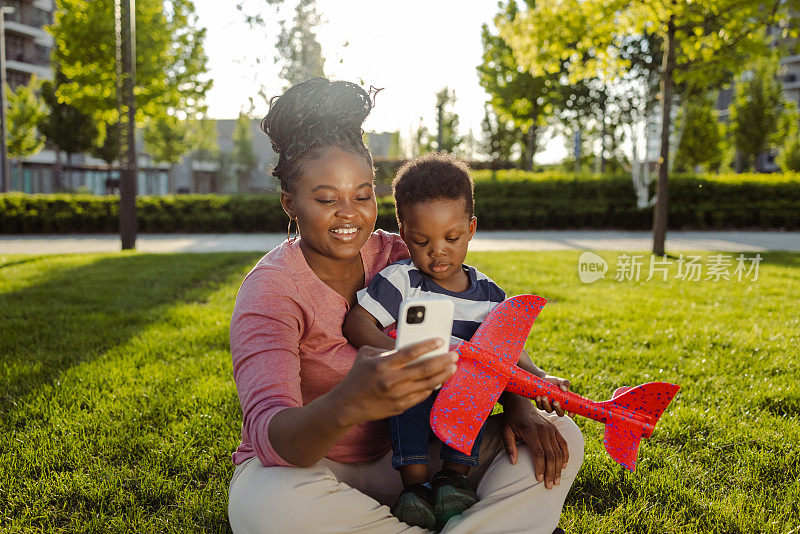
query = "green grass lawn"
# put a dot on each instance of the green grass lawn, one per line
(118, 411)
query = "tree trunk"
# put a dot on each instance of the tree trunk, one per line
(171, 179)
(603, 139)
(439, 121)
(69, 172)
(532, 133)
(662, 186)
(57, 172)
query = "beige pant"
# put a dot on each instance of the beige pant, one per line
(333, 497)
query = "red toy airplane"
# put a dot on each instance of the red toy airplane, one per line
(488, 367)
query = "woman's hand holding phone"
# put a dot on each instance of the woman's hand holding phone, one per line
(381, 384)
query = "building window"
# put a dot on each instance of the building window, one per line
(15, 47)
(41, 55)
(15, 78)
(41, 17)
(16, 16)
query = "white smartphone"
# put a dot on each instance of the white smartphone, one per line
(421, 319)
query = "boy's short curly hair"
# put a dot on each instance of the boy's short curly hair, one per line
(434, 176)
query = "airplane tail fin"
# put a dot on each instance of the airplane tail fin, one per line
(634, 414)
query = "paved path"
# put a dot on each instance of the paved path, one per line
(484, 240)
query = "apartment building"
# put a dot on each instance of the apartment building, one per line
(28, 46)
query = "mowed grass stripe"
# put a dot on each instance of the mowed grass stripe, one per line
(119, 411)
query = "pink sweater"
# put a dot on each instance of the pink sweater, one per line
(288, 347)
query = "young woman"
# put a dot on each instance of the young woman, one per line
(315, 452)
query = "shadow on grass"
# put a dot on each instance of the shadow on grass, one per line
(21, 261)
(786, 259)
(786, 404)
(75, 315)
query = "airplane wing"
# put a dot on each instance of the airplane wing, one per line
(506, 328)
(465, 401)
(467, 398)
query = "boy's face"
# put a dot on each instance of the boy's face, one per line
(437, 234)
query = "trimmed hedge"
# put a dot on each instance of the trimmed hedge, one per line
(514, 199)
(504, 200)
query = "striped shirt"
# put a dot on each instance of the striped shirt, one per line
(403, 280)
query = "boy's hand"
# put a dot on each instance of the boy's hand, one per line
(543, 403)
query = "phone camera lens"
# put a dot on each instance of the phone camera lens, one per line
(415, 314)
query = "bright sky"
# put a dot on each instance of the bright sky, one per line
(411, 49)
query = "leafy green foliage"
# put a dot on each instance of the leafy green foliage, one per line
(789, 156)
(243, 155)
(703, 136)
(447, 136)
(204, 139)
(422, 142)
(789, 130)
(108, 150)
(298, 47)
(500, 137)
(170, 60)
(520, 102)
(26, 110)
(67, 127)
(167, 139)
(711, 37)
(756, 108)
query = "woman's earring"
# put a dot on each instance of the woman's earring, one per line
(289, 237)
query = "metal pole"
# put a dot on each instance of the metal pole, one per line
(6, 178)
(126, 80)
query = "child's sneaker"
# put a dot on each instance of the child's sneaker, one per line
(452, 495)
(414, 507)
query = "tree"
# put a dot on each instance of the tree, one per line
(108, 149)
(26, 110)
(298, 47)
(703, 135)
(519, 99)
(421, 142)
(756, 110)
(447, 138)
(204, 139)
(244, 157)
(500, 137)
(68, 128)
(789, 155)
(702, 43)
(167, 139)
(170, 60)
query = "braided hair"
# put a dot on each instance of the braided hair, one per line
(312, 116)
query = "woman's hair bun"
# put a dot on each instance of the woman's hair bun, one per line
(313, 111)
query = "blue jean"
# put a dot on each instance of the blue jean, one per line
(411, 432)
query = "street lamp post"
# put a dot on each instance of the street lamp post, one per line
(6, 179)
(124, 11)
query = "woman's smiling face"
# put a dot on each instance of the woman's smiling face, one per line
(334, 203)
